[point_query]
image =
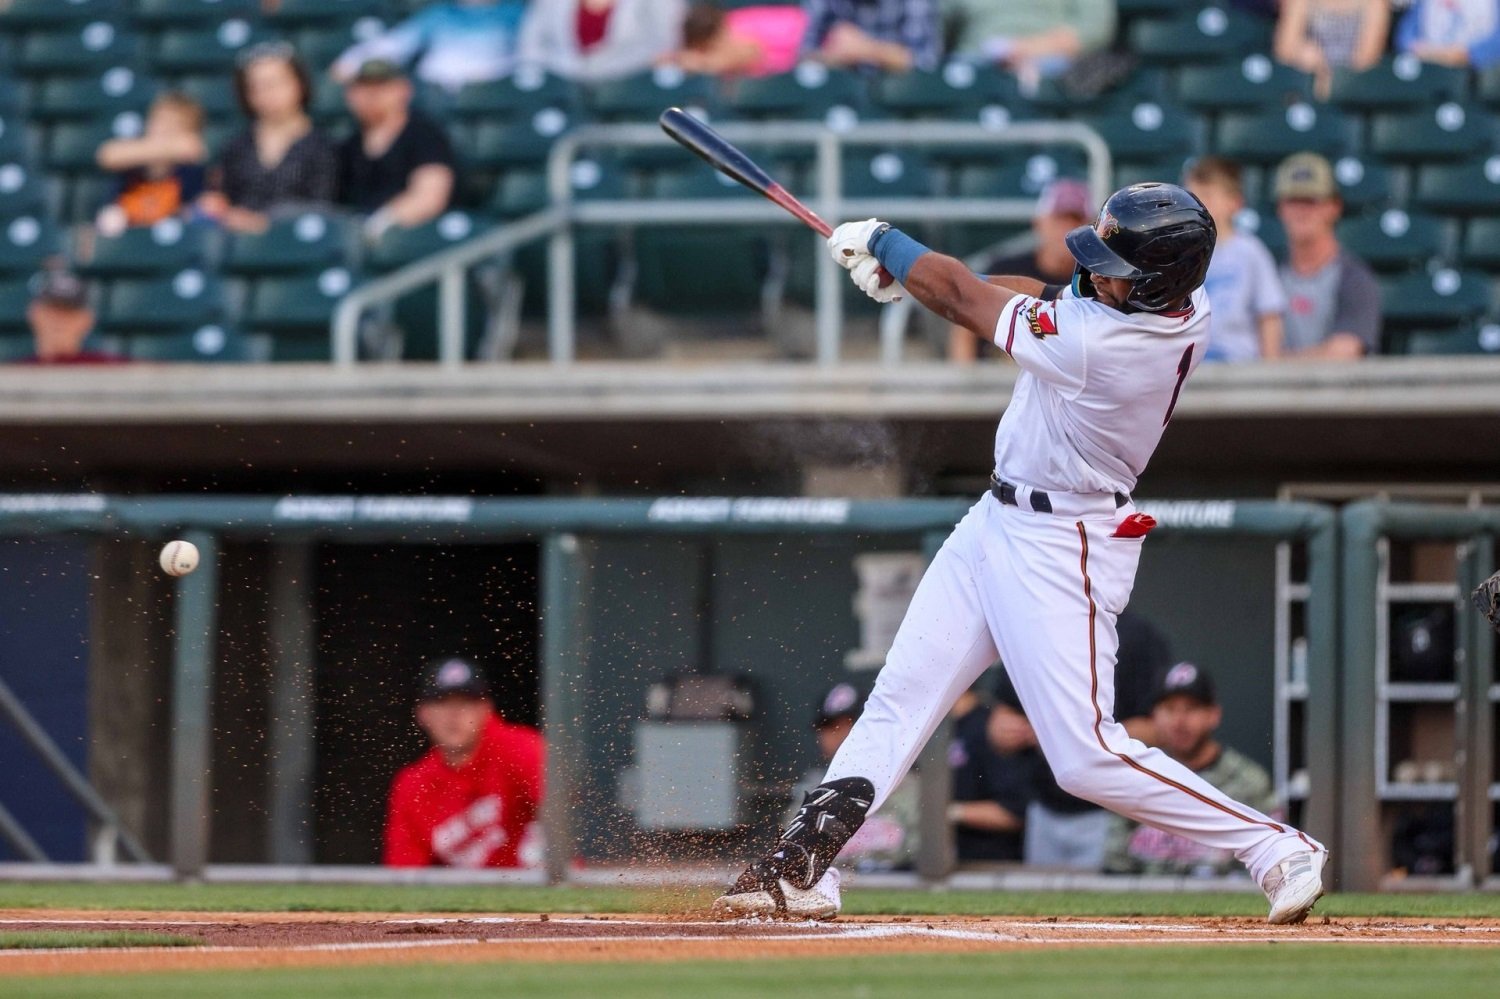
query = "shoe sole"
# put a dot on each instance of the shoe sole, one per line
(1297, 912)
(800, 904)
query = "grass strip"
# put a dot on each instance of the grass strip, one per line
(80, 939)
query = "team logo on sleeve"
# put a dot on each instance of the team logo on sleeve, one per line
(1040, 321)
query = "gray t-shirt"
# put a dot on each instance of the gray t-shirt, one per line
(1242, 286)
(1342, 297)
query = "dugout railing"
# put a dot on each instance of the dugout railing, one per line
(564, 529)
(448, 270)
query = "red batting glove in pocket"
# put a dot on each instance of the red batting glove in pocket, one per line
(1137, 525)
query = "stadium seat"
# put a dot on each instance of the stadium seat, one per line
(517, 96)
(1017, 173)
(1363, 183)
(1449, 131)
(1210, 34)
(21, 190)
(300, 304)
(182, 51)
(185, 301)
(1147, 130)
(1487, 88)
(72, 147)
(1395, 240)
(1467, 339)
(304, 12)
(1442, 298)
(168, 13)
(808, 92)
(214, 93)
(1270, 136)
(946, 93)
(400, 246)
(14, 346)
(211, 344)
(699, 268)
(493, 145)
(1401, 81)
(1459, 189)
(521, 192)
(167, 247)
(320, 45)
(89, 48)
(307, 242)
(30, 15)
(13, 141)
(15, 296)
(101, 95)
(1262, 223)
(892, 173)
(1255, 82)
(1136, 8)
(25, 242)
(1481, 243)
(642, 96)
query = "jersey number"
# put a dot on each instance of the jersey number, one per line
(1182, 373)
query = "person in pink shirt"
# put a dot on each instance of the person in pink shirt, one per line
(748, 41)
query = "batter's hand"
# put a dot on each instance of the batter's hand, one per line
(867, 274)
(851, 241)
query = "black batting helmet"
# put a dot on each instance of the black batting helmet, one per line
(1157, 236)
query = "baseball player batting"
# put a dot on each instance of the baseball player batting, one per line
(1037, 571)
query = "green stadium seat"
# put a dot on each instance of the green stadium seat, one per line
(22, 190)
(14, 346)
(1460, 188)
(1129, 172)
(1212, 33)
(1056, 98)
(642, 96)
(521, 192)
(1440, 299)
(211, 344)
(1395, 240)
(84, 195)
(517, 96)
(214, 93)
(809, 92)
(1401, 81)
(892, 173)
(72, 147)
(1271, 136)
(184, 51)
(1449, 131)
(307, 242)
(497, 144)
(300, 304)
(1481, 243)
(319, 46)
(696, 269)
(15, 296)
(185, 301)
(1487, 88)
(957, 87)
(1363, 183)
(25, 242)
(101, 95)
(169, 13)
(1016, 173)
(30, 15)
(296, 13)
(1147, 130)
(13, 141)
(1262, 223)
(167, 247)
(1253, 83)
(399, 246)
(1137, 8)
(89, 48)
(1479, 339)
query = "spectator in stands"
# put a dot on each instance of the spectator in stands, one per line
(746, 41)
(1243, 286)
(1061, 830)
(888, 839)
(1035, 39)
(1333, 299)
(280, 161)
(161, 172)
(988, 808)
(891, 35)
(468, 802)
(1064, 205)
(1186, 714)
(1452, 32)
(61, 320)
(397, 168)
(1319, 36)
(453, 43)
(593, 40)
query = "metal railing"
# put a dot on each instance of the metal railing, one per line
(448, 269)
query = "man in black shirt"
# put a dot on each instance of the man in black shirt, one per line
(989, 791)
(398, 168)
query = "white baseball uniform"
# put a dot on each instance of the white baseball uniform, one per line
(1041, 590)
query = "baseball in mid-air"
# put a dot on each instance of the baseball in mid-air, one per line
(178, 558)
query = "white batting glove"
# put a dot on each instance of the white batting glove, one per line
(851, 240)
(866, 276)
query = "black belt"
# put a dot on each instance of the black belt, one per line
(1005, 492)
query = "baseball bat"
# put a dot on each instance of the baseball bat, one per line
(727, 158)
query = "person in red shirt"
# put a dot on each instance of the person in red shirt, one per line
(468, 802)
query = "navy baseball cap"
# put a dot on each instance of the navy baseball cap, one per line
(451, 677)
(61, 287)
(1187, 680)
(842, 701)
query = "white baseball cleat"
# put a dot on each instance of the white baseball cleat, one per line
(1294, 885)
(780, 899)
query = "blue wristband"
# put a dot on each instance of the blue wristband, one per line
(896, 251)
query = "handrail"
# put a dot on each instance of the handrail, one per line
(557, 223)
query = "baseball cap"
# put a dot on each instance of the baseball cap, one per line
(1066, 196)
(841, 701)
(58, 286)
(1305, 175)
(377, 71)
(1186, 680)
(446, 677)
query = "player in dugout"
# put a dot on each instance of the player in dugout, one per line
(471, 800)
(1040, 568)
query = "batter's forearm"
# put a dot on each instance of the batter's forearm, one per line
(1030, 287)
(944, 285)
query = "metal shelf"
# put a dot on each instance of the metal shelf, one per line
(1423, 593)
(1421, 693)
(1444, 791)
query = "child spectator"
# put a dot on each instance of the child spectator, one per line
(161, 172)
(280, 160)
(1319, 36)
(1242, 284)
(747, 41)
(593, 40)
(453, 43)
(1452, 32)
(893, 35)
(1036, 39)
